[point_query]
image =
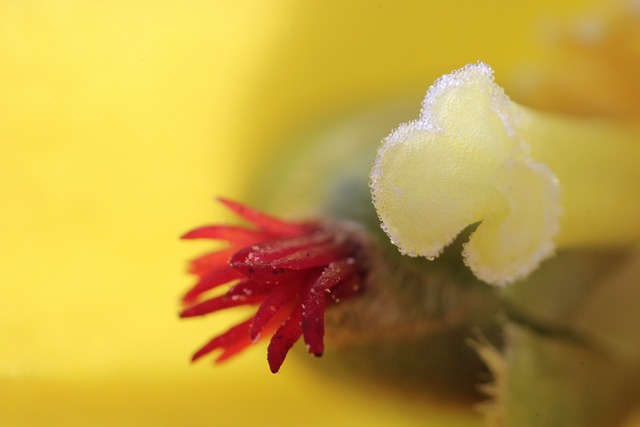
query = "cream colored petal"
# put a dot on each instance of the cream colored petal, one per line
(424, 193)
(462, 162)
(504, 249)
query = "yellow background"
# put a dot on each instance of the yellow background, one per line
(119, 121)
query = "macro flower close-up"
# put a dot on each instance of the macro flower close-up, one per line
(283, 213)
(292, 270)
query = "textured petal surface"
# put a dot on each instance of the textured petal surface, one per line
(462, 162)
(288, 270)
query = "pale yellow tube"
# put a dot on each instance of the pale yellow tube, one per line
(531, 181)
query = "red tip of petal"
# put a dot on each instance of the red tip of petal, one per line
(216, 304)
(212, 280)
(239, 236)
(235, 338)
(263, 221)
(280, 297)
(282, 341)
(313, 323)
(315, 301)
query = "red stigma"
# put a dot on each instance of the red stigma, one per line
(290, 271)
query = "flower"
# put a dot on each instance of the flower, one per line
(474, 157)
(291, 271)
(460, 163)
(477, 161)
(119, 116)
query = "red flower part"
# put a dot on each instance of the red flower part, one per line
(291, 271)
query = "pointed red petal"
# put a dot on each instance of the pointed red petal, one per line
(282, 341)
(245, 263)
(276, 249)
(218, 303)
(236, 337)
(212, 280)
(314, 304)
(266, 260)
(250, 288)
(313, 322)
(271, 250)
(265, 222)
(201, 265)
(280, 297)
(240, 236)
(315, 256)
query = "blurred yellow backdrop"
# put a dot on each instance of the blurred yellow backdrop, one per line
(120, 120)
